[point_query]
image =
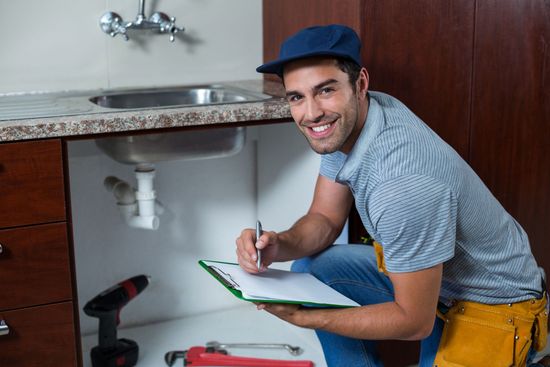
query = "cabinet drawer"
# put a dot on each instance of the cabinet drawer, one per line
(39, 337)
(34, 266)
(31, 183)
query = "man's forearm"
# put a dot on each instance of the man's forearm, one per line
(374, 322)
(309, 235)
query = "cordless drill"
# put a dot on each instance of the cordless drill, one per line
(113, 352)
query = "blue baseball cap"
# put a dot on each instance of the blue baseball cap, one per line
(331, 40)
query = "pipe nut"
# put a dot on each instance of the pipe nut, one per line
(146, 195)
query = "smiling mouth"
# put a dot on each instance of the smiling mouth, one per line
(320, 129)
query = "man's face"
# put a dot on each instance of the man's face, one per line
(323, 104)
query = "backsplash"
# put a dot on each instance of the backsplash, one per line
(58, 45)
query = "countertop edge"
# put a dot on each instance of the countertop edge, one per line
(151, 119)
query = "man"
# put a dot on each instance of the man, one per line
(443, 243)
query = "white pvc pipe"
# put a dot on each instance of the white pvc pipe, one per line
(137, 207)
(124, 193)
(128, 212)
(145, 194)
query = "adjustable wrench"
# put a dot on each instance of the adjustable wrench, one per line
(199, 356)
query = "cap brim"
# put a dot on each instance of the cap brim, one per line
(277, 66)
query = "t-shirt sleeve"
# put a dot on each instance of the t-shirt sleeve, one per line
(331, 164)
(415, 220)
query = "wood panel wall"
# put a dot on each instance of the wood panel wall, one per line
(421, 53)
(510, 126)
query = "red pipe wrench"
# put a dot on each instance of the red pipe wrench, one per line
(199, 356)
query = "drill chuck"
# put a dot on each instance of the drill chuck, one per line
(116, 296)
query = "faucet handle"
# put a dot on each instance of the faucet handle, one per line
(112, 24)
(166, 24)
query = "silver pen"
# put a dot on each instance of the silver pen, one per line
(258, 252)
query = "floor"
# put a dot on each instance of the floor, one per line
(241, 324)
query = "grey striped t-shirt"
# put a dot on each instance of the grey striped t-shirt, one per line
(425, 205)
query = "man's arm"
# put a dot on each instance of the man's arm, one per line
(310, 234)
(410, 317)
(321, 225)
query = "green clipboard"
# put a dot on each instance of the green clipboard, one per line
(275, 286)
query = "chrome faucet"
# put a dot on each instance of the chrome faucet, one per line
(112, 24)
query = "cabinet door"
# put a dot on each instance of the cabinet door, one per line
(31, 183)
(34, 266)
(510, 141)
(421, 53)
(39, 337)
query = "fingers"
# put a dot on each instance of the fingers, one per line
(264, 240)
(287, 312)
(246, 251)
(247, 246)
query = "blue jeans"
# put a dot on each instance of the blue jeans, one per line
(352, 270)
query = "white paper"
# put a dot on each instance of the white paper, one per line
(282, 285)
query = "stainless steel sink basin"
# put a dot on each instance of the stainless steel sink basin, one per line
(180, 96)
(194, 144)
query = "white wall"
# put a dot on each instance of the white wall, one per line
(58, 45)
(207, 203)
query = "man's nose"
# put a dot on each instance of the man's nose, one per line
(314, 112)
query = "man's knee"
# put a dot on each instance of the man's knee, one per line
(302, 265)
(334, 259)
(320, 261)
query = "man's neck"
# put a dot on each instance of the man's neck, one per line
(361, 120)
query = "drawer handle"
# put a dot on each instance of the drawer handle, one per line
(1, 249)
(4, 329)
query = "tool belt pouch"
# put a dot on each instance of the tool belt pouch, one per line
(379, 252)
(540, 334)
(482, 335)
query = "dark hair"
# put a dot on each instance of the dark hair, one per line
(349, 67)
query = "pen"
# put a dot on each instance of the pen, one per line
(258, 252)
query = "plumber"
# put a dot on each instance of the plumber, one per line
(449, 265)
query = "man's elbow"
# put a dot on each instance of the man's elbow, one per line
(420, 331)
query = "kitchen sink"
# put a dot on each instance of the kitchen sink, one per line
(178, 96)
(187, 145)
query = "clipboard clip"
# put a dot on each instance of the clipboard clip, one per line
(224, 277)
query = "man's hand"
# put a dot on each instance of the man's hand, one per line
(285, 311)
(268, 243)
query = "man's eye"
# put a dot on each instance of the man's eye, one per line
(326, 90)
(294, 98)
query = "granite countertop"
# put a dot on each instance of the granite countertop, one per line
(96, 120)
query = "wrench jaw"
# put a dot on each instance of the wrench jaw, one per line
(220, 347)
(171, 357)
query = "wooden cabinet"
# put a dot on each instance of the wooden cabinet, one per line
(35, 263)
(31, 183)
(39, 337)
(34, 266)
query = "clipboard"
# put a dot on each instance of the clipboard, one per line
(275, 286)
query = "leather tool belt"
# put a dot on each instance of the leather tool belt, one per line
(481, 335)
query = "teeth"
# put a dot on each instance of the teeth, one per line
(319, 129)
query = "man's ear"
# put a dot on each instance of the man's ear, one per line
(363, 83)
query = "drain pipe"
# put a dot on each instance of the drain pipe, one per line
(139, 208)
